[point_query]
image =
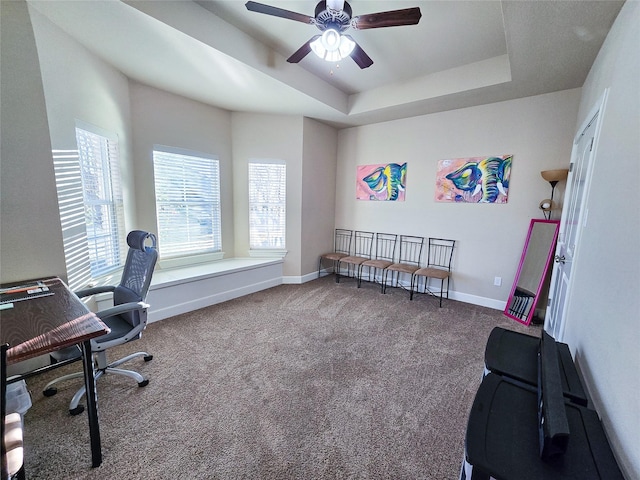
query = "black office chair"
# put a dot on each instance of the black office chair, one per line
(11, 435)
(126, 319)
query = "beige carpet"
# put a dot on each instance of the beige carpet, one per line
(313, 381)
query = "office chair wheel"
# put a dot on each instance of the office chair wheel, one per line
(50, 392)
(76, 411)
(148, 358)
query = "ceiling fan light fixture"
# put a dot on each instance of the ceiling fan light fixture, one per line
(346, 46)
(332, 46)
(330, 40)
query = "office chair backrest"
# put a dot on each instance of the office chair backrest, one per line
(138, 269)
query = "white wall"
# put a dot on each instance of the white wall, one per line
(29, 219)
(162, 118)
(536, 130)
(603, 321)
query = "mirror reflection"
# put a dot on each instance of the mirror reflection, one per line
(534, 265)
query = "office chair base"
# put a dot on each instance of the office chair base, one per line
(74, 407)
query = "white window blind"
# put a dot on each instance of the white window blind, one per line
(91, 209)
(187, 203)
(267, 205)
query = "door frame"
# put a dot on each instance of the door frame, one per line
(557, 329)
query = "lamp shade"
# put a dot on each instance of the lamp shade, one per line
(555, 175)
(332, 46)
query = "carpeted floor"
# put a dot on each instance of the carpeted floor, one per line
(312, 381)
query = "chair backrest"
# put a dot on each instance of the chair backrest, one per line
(342, 241)
(363, 244)
(440, 253)
(137, 273)
(410, 250)
(12, 451)
(386, 246)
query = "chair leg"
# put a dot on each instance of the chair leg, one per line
(441, 289)
(411, 287)
(21, 475)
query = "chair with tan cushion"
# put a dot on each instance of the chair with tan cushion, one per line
(408, 261)
(363, 246)
(341, 248)
(11, 435)
(385, 254)
(439, 256)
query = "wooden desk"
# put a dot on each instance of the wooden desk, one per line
(42, 325)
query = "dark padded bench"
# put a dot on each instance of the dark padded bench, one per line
(518, 431)
(515, 355)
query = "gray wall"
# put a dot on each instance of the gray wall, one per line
(30, 236)
(603, 321)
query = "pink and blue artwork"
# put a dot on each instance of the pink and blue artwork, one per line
(381, 182)
(474, 180)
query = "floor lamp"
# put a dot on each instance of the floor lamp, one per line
(553, 177)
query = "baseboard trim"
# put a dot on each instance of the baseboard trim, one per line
(453, 295)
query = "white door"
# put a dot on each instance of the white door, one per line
(574, 217)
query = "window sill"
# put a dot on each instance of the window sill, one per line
(177, 262)
(266, 253)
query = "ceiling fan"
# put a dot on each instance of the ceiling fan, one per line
(332, 18)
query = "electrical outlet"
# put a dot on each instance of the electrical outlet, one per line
(497, 281)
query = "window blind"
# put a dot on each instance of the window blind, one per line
(267, 205)
(102, 200)
(187, 203)
(66, 166)
(90, 206)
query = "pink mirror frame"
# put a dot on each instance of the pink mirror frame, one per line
(538, 251)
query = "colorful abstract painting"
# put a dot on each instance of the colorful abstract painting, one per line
(474, 180)
(382, 182)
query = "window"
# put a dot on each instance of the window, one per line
(91, 209)
(187, 202)
(267, 205)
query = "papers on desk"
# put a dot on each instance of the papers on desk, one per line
(26, 291)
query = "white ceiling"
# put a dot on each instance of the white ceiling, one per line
(462, 53)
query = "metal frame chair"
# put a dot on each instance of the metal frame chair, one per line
(361, 252)
(341, 248)
(126, 319)
(439, 257)
(385, 254)
(11, 435)
(408, 261)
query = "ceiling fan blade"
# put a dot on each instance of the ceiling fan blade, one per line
(278, 12)
(359, 56)
(302, 51)
(335, 4)
(393, 18)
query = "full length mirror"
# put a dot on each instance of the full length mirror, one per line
(532, 271)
